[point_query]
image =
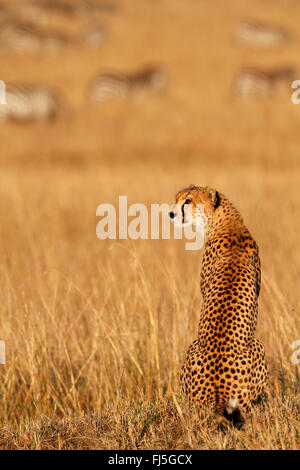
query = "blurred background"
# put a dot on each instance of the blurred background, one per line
(137, 98)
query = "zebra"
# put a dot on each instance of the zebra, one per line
(39, 10)
(28, 103)
(119, 85)
(2, 92)
(256, 82)
(26, 37)
(260, 34)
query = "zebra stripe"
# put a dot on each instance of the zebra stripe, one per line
(2, 92)
(118, 85)
(260, 34)
(108, 86)
(25, 37)
(252, 81)
(40, 9)
(25, 103)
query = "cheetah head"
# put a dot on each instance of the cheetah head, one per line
(195, 206)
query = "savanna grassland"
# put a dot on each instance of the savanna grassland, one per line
(96, 331)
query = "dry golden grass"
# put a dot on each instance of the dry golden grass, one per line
(96, 331)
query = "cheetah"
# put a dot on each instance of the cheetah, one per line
(225, 367)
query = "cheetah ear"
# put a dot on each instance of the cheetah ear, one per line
(214, 198)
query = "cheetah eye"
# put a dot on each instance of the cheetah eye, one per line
(188, 201)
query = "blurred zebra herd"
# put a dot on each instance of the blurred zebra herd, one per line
(21, 31)
(253, 81)
(27, 27)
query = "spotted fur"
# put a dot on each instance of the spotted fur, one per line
(225, 366)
